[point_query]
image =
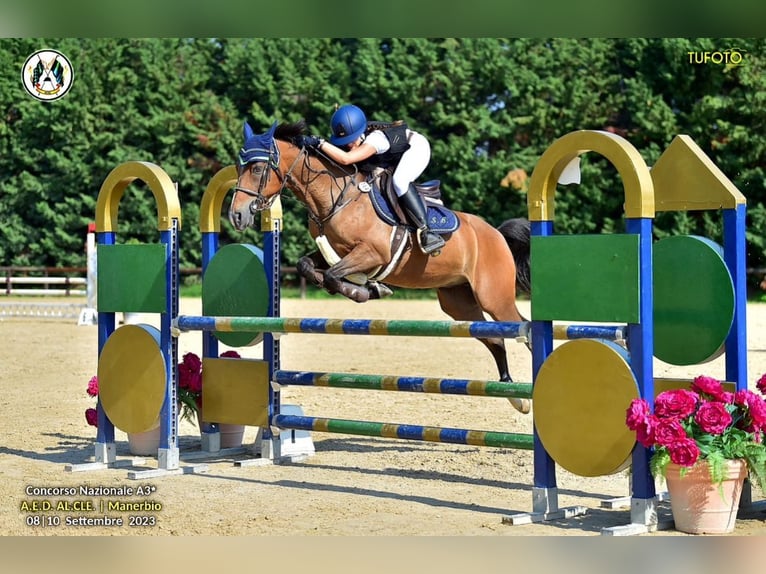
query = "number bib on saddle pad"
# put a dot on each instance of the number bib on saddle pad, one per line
(440, 219)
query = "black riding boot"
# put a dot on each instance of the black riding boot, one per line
(430, 243)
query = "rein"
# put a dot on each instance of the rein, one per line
(337, 204)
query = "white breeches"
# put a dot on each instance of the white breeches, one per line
(413, 163)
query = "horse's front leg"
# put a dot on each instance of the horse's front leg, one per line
(339, 277)
(331, 282)
(308, 268)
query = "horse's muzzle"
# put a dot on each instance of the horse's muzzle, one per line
(241, 219)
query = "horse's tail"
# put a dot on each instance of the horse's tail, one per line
(517, 232)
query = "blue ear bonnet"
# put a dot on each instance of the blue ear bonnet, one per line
(259, 147)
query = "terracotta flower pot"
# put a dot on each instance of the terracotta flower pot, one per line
(145, 443)
(699, 505)
(231, 434)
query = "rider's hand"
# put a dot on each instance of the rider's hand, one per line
(309, 141)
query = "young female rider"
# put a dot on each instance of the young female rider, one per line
(396, 145)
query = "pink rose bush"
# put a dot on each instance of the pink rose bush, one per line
(91, 414)
(190, 384)
(703, 423)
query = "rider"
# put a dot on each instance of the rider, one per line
(397, 145)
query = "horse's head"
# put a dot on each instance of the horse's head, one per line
(281, 153)
(256, 190)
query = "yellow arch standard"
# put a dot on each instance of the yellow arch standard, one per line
(113, 188)
(212, 203)
(637, 181)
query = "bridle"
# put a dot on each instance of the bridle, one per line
(260, 202)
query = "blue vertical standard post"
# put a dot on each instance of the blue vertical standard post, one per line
(105, 432)
(210, 240)
(544, 496)
(734, 249)
(209, 249)
(641, 349)
(168, 456)
(270, 342)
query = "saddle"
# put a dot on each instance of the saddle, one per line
(380, 188)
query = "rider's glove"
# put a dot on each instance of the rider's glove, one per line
(309, 141)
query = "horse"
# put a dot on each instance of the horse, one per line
(477, 271)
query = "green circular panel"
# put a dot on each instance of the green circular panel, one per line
(132, 378)
(693, 300)
(235, 285)
(580, 395)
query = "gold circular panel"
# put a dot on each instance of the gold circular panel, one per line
(132, 378)
(580, 396)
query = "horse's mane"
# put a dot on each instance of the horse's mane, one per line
(286, 132)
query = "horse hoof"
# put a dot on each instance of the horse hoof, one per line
(379, 290)
(522, 405)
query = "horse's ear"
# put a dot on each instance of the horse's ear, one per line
(247, 132)
(272, 129)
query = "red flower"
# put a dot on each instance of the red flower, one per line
(93, 386)
(761, 384)
(684, 452)
(645, 432)
(668, 431)
(638, 418)
(195, 382)
(713, 417)
(185, 375)
(637, 413)
(709, 386)
(755, 419)
(757, 410)
(675, 404)
(192, 362)
(231, 354)
(91, 416)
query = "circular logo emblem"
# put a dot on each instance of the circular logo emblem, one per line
(364, 186)
(47, 75)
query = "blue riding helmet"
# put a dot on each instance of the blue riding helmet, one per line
(347, 123)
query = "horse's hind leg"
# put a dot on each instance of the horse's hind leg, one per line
(460, 303)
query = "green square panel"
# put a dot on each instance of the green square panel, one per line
(585, 278)
(131, 278)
